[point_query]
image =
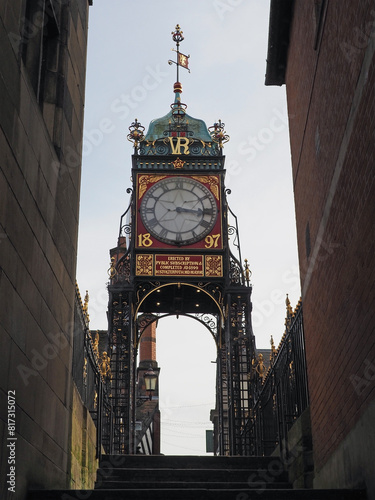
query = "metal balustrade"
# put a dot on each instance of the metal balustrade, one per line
(281, 395)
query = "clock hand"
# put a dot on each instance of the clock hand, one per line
(167, 204)
(198, 212)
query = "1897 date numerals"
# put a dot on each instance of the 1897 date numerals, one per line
(212, 241)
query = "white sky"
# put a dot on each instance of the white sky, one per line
(128, 77)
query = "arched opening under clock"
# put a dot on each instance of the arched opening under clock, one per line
(186, 354)
(181, 351)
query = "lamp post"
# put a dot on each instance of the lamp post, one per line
(150, 378)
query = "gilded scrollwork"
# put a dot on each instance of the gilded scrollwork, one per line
(212, 181)
(145, 180)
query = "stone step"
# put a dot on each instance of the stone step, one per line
(186, 462)
(140, 477)
(216, 485)
(197, 494)
(209, 475)
(132, 472)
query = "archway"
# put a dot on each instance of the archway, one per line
(185, 352)
(189, 368)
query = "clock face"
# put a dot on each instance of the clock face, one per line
(178, 210)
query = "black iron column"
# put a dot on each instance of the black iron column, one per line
(120, 345)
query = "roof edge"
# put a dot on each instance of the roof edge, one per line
(281, 16)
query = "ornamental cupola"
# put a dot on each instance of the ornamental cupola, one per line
(178, 133)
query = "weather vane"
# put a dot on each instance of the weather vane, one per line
(182, 59)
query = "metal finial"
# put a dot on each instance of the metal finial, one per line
(85, 371)
(86, 307)
(177, 35)
(105, 365)
(289, 313)
(95, 345)
(260, 367)
(218, 133)
(112, 270)
(289, 310)
(136, 133)
(273, 350)
(247, 272)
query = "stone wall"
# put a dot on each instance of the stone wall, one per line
(41, 126)
(83, 460)
(300, 459)
(352, 463)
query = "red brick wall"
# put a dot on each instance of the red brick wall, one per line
(147, 346)
(332, 131)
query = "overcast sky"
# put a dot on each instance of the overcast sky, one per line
(128, 77)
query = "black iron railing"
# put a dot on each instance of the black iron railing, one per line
(90, 381)
(281, 395)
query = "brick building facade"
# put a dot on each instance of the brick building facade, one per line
(324, 51)
(147, 344)
(42, 81)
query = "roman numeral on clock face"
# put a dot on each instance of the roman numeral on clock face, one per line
(163, 233)
(205, 223)
(152, 222)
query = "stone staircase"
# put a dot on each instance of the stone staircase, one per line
(135, 477)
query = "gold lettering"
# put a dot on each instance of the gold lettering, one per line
(181, 142)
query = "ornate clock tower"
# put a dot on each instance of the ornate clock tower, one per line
(178, 253)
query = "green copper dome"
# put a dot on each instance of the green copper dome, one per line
(178, 131)
(179, 120)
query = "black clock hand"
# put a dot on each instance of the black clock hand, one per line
(198, 212)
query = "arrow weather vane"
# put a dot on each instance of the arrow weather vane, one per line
(182, 59)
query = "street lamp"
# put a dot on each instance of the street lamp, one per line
(150, 381)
